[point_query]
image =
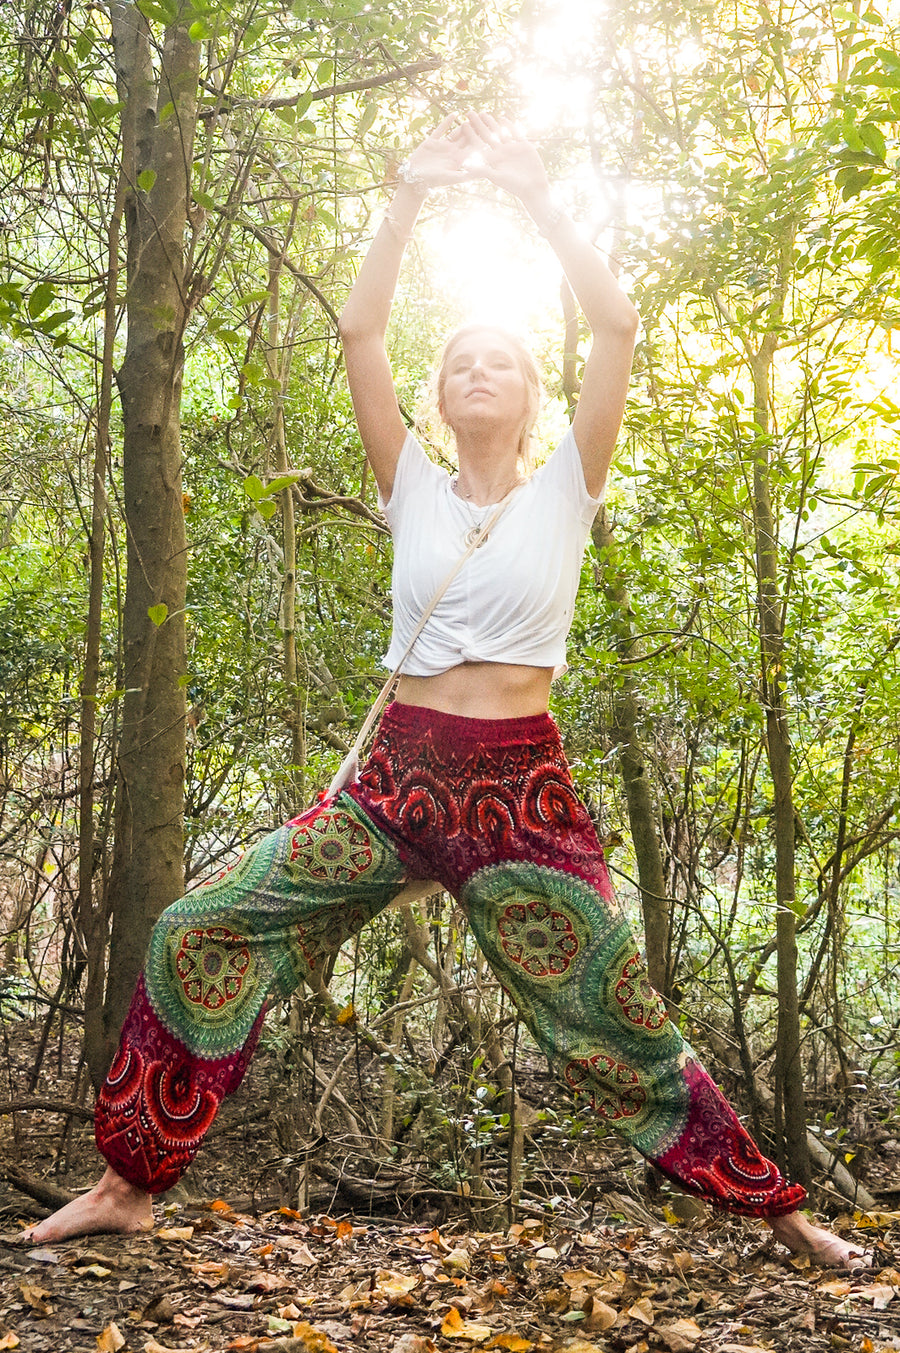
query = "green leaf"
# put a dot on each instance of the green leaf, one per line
(254, 487)
(370, 112)
(53, 321)
(146, 179)
(158, 613)
(253, 297)
(873, 140)
(160, 11)
(198, 30)
(267, 508)
(40, 298)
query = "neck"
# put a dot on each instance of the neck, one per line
(487, 471)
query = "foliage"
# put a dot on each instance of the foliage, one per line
(747, 161)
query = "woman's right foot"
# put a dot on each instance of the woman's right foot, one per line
(111, 1205)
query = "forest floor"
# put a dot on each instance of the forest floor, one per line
(231, 1265)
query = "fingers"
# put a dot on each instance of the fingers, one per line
(495, 131)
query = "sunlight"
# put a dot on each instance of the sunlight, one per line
(491, 269)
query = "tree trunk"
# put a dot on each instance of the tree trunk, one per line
(159, 121)
(790, 1097)
(92, 913)
(278, 364)
(638, 795)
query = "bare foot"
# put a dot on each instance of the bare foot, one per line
(112, 1205)
(823, 1247)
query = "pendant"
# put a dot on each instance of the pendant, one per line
(475, 537)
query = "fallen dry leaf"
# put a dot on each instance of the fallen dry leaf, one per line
(9, 1341)
(151, 1346)
(879, 1294)
(454, 1327)
(265, 1282)
(210, 1268)
(582, 1277)
(514, 1343)
(457, 1261)
(835, 1287)
(160, 1310)
(868, 1219)
(175, 1233)
(413, 1343)
(36, 1297)
(111, 1339)
(392, 1285)
(224, 1210)
(599, 1316)
(314, 1340)
(303, 1256)
(641, 1310)
(681, 1336)
(187, 1322)
(582, 1346)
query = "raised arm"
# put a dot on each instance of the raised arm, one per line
(364, 319)
(513, 163)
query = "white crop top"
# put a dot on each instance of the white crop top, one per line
(514, 598)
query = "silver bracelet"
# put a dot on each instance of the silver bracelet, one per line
(412, 178)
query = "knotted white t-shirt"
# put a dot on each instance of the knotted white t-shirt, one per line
(514, 598)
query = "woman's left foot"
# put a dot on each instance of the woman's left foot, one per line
(823, 1247)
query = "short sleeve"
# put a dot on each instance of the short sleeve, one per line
(415, 473)
(564, 472)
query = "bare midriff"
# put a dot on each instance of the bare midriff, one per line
(481, 690)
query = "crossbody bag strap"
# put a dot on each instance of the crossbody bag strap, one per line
(476, 537)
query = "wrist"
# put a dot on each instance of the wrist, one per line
(546, 211)
(401, 214)
(410, 177)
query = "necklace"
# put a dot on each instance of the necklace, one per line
(477, 512)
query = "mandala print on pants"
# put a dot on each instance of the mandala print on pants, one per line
(488, 809)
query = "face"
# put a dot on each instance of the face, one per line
(482, 380)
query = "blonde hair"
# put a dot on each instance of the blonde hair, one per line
(528, 369)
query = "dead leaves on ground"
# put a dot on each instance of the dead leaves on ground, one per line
(287, 1284)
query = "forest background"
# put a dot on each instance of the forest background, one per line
(194, 573)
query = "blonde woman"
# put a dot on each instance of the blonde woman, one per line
(466, 782)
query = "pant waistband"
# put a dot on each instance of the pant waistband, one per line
(457, 730)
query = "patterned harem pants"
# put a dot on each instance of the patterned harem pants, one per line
(487, 808)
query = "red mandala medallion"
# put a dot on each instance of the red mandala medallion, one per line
(331, 845)
(614, 1088)
(542, 941)
(640, 1004)
(212, 964)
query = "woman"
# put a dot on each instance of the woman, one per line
(466, 782)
